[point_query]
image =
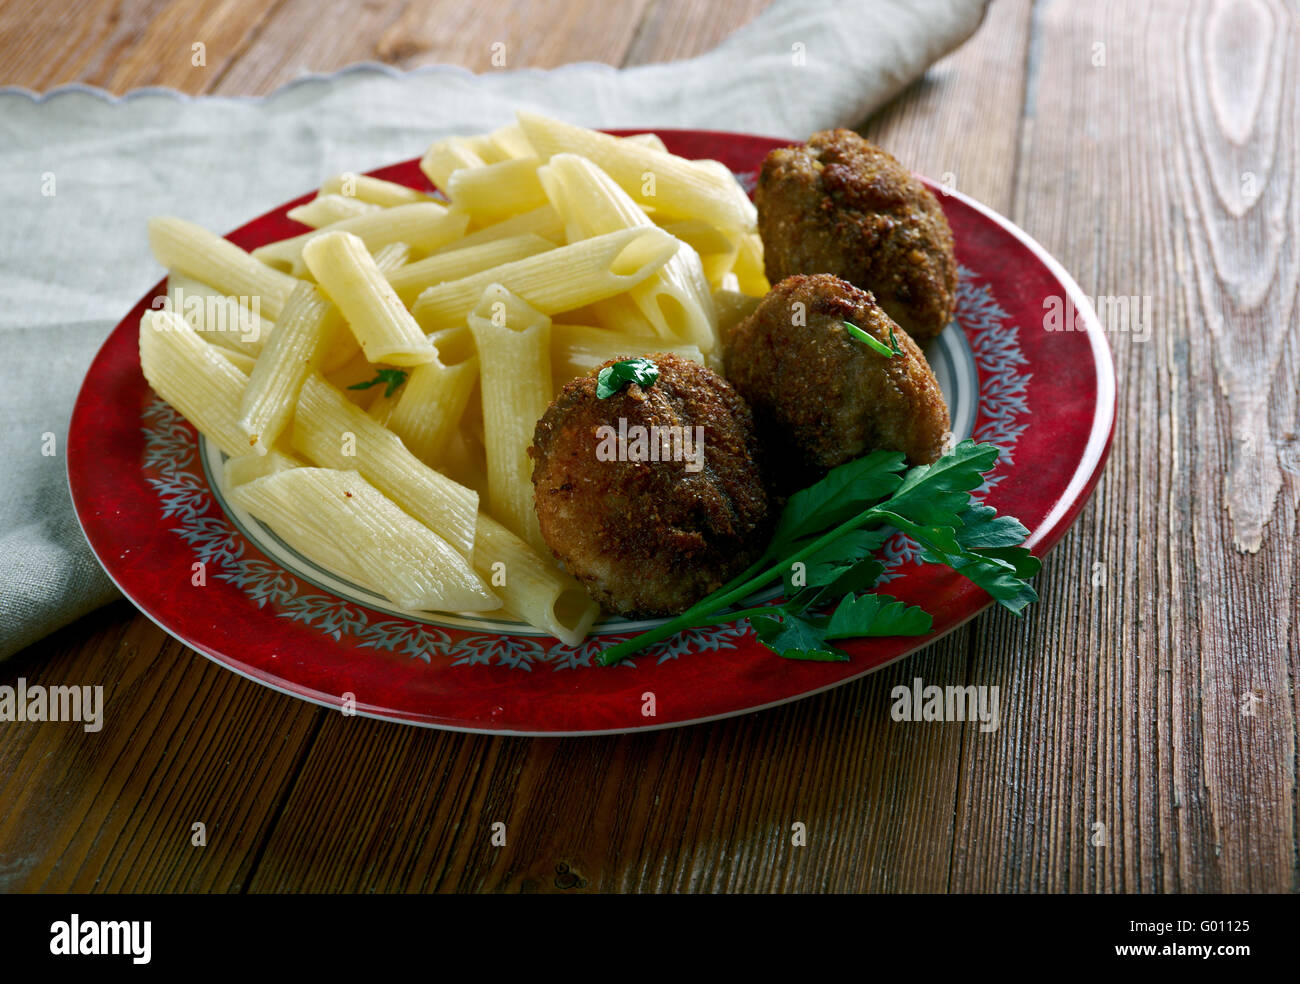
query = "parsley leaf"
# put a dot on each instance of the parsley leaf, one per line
(823, 551)
(614, 377)
(876, 615)
(845, 491)
(797, 638)
(391, 378)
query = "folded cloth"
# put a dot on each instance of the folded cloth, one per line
(82, 173)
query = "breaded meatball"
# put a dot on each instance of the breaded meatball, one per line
(822, 397)
(650, 537)
(841, 205)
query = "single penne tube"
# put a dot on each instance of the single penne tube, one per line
(194, 377)
(234, 323)
(530, 586)
(335, 433)
(510, 143)
(240, 360)
(651, 140)
(496, 191)
(409, 280)
(454, 344)
(577, 349)
(427, 411)
(674, 299)
(446, 157)
(621, 313)
(748, 267)
(340, 346)
(341, 521)
(514, 346)
(670, 184)
(379, 320)
(727, 184)
(326, 209)
(246, 467)
(542, 221)
(718, 265)
(308, 321)
(465, 461)
(558, 280)
(700, 236)
(372, 191)
(424, 226)
(392, 257)
(204, 256)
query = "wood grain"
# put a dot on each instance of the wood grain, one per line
(1143, 731)
(183, 741)
(1163, 610)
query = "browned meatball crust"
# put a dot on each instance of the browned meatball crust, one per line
(822, 397)
(841, 205)
(650, 538)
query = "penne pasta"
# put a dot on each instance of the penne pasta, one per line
(339, 520)
(509, 142)
(309, 321)
(577, 349)
(372, 191)
(408, 281)
(531, 586)
(542, 221)
(748, 268)
(670, 184)
(558, 280)
(246, 467)
(446, 157)
(204, 256)
(231, 322)
(334, 433)
(428, 410)
(514, 345)
(326, 209)
(651, 140)
(495, 192)
(380, 322)
(424, 226)
(194, 377)
(675, 299)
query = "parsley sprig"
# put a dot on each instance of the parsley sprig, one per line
(614, 377)
(823, 549)
(390, 379)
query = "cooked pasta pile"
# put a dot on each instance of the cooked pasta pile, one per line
(374, 382)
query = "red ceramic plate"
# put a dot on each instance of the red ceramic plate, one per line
(140, 480)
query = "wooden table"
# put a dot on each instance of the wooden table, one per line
(1154, 151)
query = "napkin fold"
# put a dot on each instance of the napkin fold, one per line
(81, 172)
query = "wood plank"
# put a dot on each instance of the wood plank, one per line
(379, 807)
(121, 46)
(183, 741)
(516, 35)
(1128, 713)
